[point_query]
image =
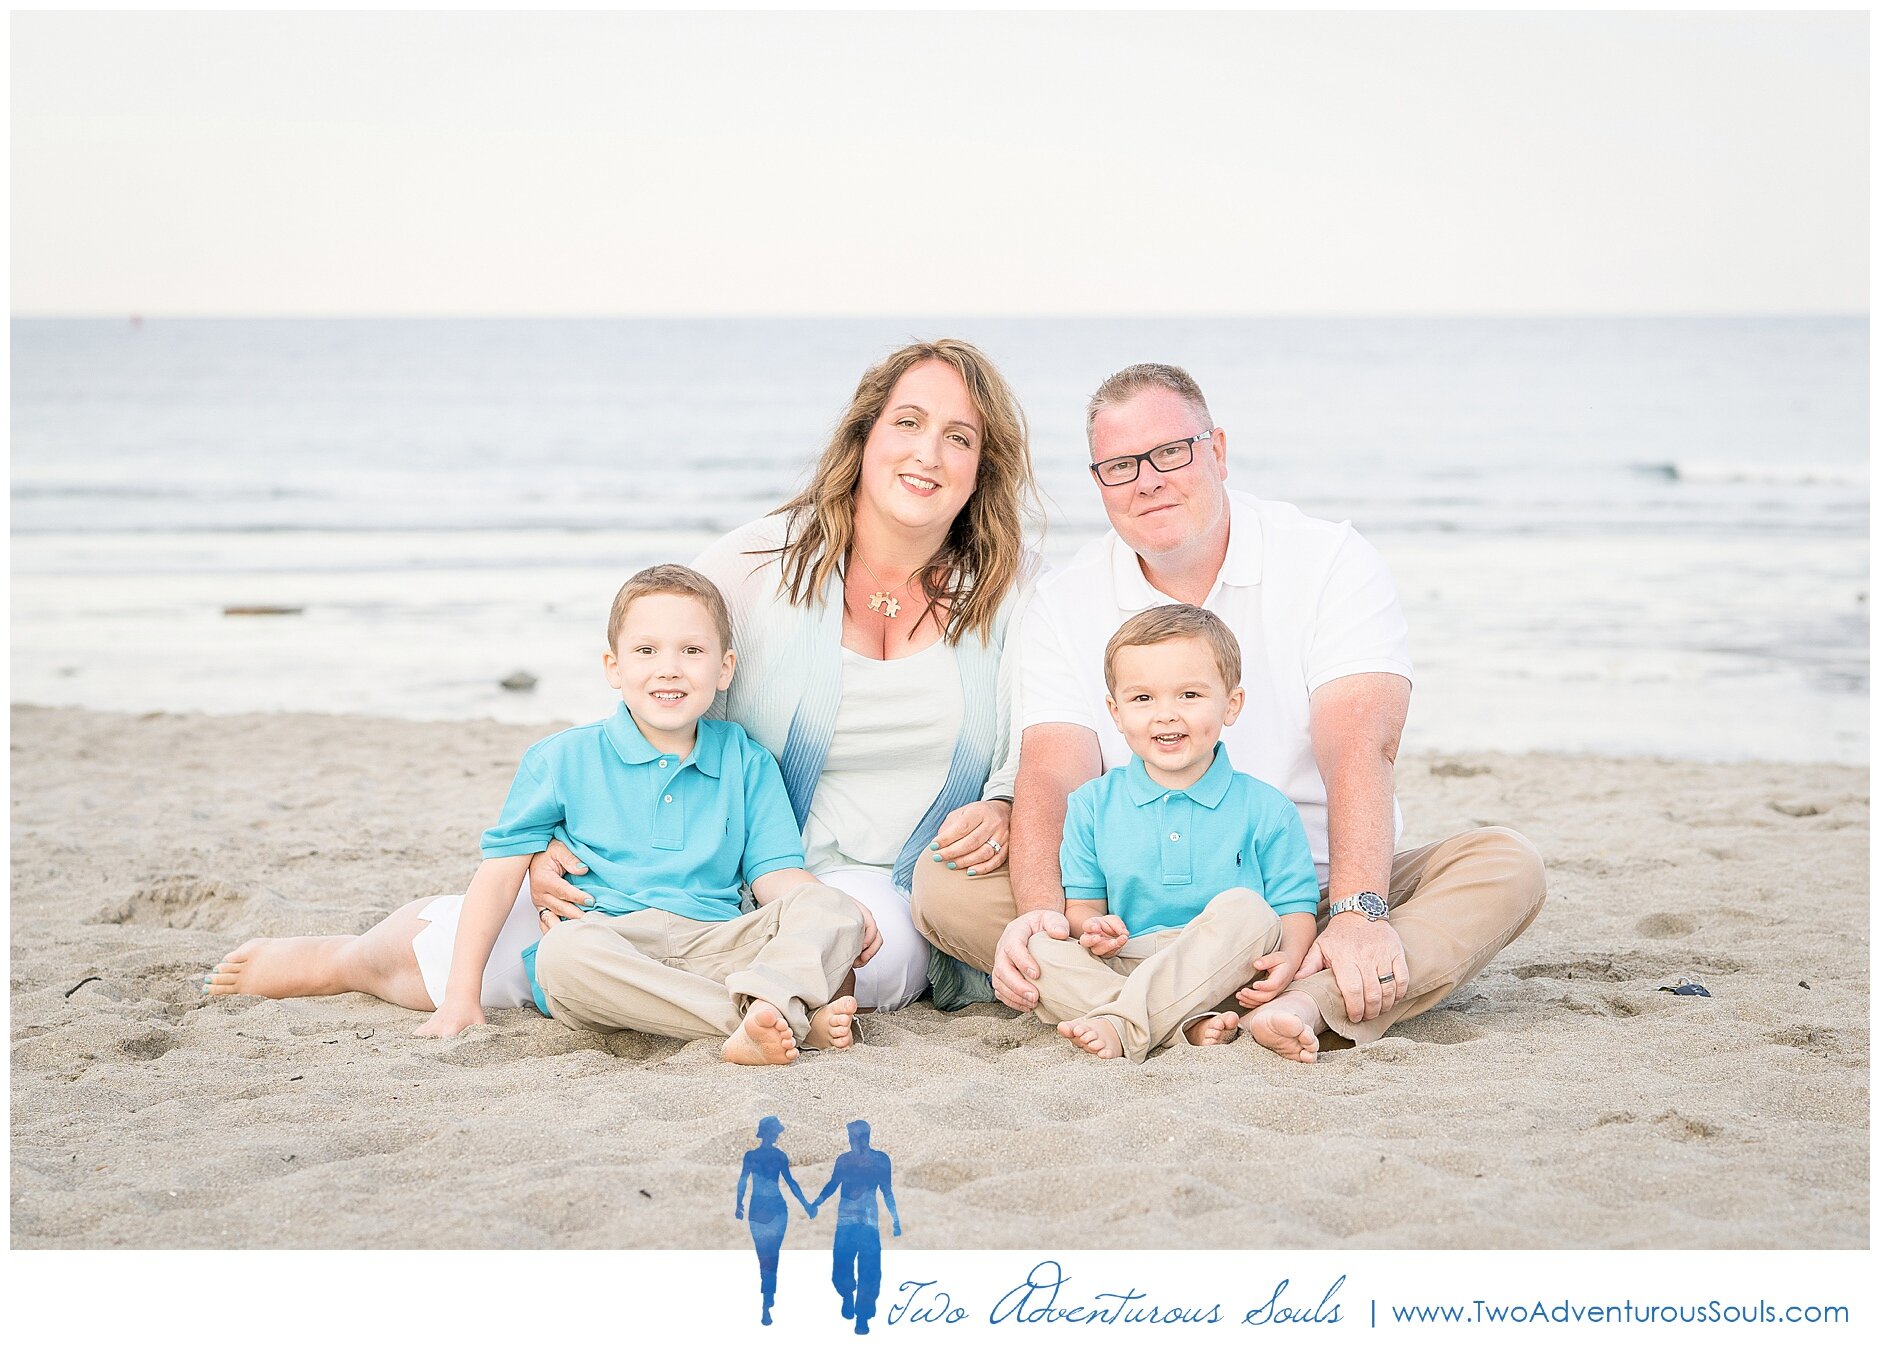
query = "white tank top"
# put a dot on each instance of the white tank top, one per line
(888, 758)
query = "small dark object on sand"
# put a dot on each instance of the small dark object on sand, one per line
(245, 609)
(1803, 984)
(95, 978)
(1686, 987)
(520, 680)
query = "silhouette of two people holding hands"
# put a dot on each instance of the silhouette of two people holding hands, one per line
(860, 1174)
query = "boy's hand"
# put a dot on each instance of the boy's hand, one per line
(549, 888)
(1103, 935)
(1280, 969)
(871, 935)
(452, 1019)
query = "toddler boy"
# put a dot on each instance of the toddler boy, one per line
(1183, 878)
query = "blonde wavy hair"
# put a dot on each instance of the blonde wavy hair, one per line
(979, 562)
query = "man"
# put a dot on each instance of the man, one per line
(859, 1173)
(1328, 688)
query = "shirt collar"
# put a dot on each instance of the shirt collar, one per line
(631, 745)
(1207, 790)
(1241, 567)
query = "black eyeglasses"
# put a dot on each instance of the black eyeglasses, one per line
(1166, 457)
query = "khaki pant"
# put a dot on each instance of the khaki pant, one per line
(1455, 904)
(1154, 986)
(659, 973)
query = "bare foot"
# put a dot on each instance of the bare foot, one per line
(832, 1026)
(300, 965)
(1093, 1035)
(1214, 1029)
(763, 1040)
(1289, 1025)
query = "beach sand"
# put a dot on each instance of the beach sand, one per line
(1560, 1100)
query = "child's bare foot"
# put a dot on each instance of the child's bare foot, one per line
(763, 1040)
(832, 1026)
(1214, 1029)
(301, 965)
(1093, 1035)
(1288, 1024)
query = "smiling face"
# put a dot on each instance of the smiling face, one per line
(668, 663)
(1161, 514)
(1170, 702)
(921, 460)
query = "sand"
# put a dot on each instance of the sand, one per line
(1561, 1100)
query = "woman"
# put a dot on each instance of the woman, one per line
(869, 615)
(767, 1169)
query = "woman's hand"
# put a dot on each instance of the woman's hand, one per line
(549, 890)
(973, 838)
(452, 1019)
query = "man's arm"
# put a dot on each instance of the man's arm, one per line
(1357, 723)
(887, 1192)
(1054, 759)
(835, 1179)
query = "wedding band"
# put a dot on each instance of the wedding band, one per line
(543, 911)
(1388, 977)
(996, 847)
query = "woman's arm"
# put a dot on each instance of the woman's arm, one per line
(795, 1189)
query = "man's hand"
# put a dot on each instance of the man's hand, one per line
(1103, 935)
(1013, 968)
(1361, 954)
(451, 1019)
(974, 838)
(549, 890)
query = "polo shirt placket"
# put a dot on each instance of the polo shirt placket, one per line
(1178, 847)
(669, 792)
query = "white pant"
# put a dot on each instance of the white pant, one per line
(898, 972)
(505, 981)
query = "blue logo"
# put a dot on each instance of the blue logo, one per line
(863, 1175)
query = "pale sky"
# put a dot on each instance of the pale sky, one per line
(919, 164)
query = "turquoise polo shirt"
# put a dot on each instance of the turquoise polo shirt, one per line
(655, 831)
(1158, 856)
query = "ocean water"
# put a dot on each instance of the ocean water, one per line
(1638, 536)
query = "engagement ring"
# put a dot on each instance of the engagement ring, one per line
(996, 847)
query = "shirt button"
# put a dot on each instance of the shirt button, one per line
(669, 798)
(662, 764)
(1173, 835)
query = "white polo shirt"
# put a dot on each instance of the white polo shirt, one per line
(1310, 601)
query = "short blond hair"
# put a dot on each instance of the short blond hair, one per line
(1133, 381)
(1166, 623)
(669, 578)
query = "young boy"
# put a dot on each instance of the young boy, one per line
(1147, 845)
(671, 813)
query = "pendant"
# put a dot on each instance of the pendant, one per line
(881, 602)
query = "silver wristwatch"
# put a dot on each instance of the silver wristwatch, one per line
(1367, 904)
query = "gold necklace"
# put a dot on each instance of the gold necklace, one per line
(883, 601)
